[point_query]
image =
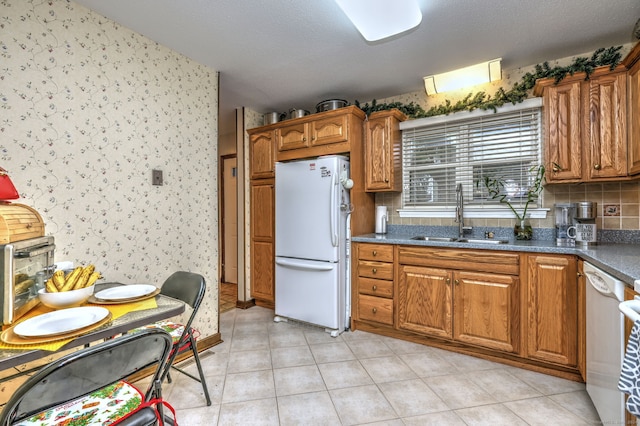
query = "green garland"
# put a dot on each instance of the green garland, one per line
(518, 93)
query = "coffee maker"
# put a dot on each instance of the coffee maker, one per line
(565, 216)
(586, 229)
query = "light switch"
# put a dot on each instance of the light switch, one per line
(156, 177)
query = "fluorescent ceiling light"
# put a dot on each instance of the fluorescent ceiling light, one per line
(464, 77)
(378, 19)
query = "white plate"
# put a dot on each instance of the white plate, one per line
(125, 292)
(61, 321)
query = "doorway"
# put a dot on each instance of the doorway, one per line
(229, 255)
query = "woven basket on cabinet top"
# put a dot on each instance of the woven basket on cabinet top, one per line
(19, 222)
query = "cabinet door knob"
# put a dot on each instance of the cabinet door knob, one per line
(556, 169)
(374, 270)
(374, 288)
(448, 280)
(375, 252)
(456, 282)
(304, 139)
(597, 166)
(374, 310)
(579, 274)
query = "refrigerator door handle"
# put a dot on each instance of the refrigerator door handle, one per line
(332, 209)
(290, 263)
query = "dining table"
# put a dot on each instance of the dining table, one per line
(124, 317)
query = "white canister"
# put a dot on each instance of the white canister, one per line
(381, 219)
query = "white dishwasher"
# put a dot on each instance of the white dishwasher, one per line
(605, 343)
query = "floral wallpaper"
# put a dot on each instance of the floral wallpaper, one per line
(88, 109)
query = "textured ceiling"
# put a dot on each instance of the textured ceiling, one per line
(280, 54)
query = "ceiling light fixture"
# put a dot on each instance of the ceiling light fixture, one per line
(464, 77)
(378, 19)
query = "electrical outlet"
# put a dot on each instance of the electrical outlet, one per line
(156, 177)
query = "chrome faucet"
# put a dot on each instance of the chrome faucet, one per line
(460, 212)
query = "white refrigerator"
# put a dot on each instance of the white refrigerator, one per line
(312, 265)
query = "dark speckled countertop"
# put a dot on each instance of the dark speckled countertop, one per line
(620, 260)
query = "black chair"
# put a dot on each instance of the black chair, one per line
(188, 287)
(93, 378)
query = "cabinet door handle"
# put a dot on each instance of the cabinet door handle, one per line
(374, 310)
(375, 252)
(374, 288)
(304, 139)
(556, 169)
(597, 166)
(579, 274)
(448, 281)
(374, 270)
(456, 281)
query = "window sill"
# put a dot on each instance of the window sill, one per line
(473, 213)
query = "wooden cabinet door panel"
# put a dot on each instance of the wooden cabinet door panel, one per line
(486, 310)
(262, 155)
(424, 300)
(634, 119)
(553, 309)
(563, 136)
(377, 149)
(262, 271)
(262, 209)
(330, 130)
(608, 130)
(294, 136)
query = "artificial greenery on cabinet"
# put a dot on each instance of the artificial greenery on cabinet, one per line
(519, 92)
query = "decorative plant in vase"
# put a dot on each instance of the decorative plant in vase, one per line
(497, 190)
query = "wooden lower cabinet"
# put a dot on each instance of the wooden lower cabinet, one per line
(513, 307)
(475, 308)
(486, 310)
(552, 308)
(373, 283)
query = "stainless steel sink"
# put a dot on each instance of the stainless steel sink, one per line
(480, 241)
(428, 238)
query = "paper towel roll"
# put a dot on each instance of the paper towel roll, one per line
(381, 219)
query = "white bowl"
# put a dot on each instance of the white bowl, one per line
(65, 299)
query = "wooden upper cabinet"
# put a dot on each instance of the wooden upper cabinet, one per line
(383, 151)
(608, 126)
(585, 126)
(293, 136)
(328, 130)
(262, 154)
(632, 61)
(562, 132)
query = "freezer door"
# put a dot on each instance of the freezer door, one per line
(310, 291)
(309, 222)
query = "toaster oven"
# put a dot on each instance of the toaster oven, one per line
(24, 268)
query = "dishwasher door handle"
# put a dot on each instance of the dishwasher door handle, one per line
(631, 309)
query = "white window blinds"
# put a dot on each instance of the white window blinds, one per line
(442, 153)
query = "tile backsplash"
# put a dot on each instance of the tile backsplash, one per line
(621, 200)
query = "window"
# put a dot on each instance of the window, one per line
(441, 152)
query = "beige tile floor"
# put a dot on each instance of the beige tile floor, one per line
(268, 373)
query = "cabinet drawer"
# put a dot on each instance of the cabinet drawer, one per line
(379, 252)
(470, 260)
(380, 288)
(375, 309)
(378, 270)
